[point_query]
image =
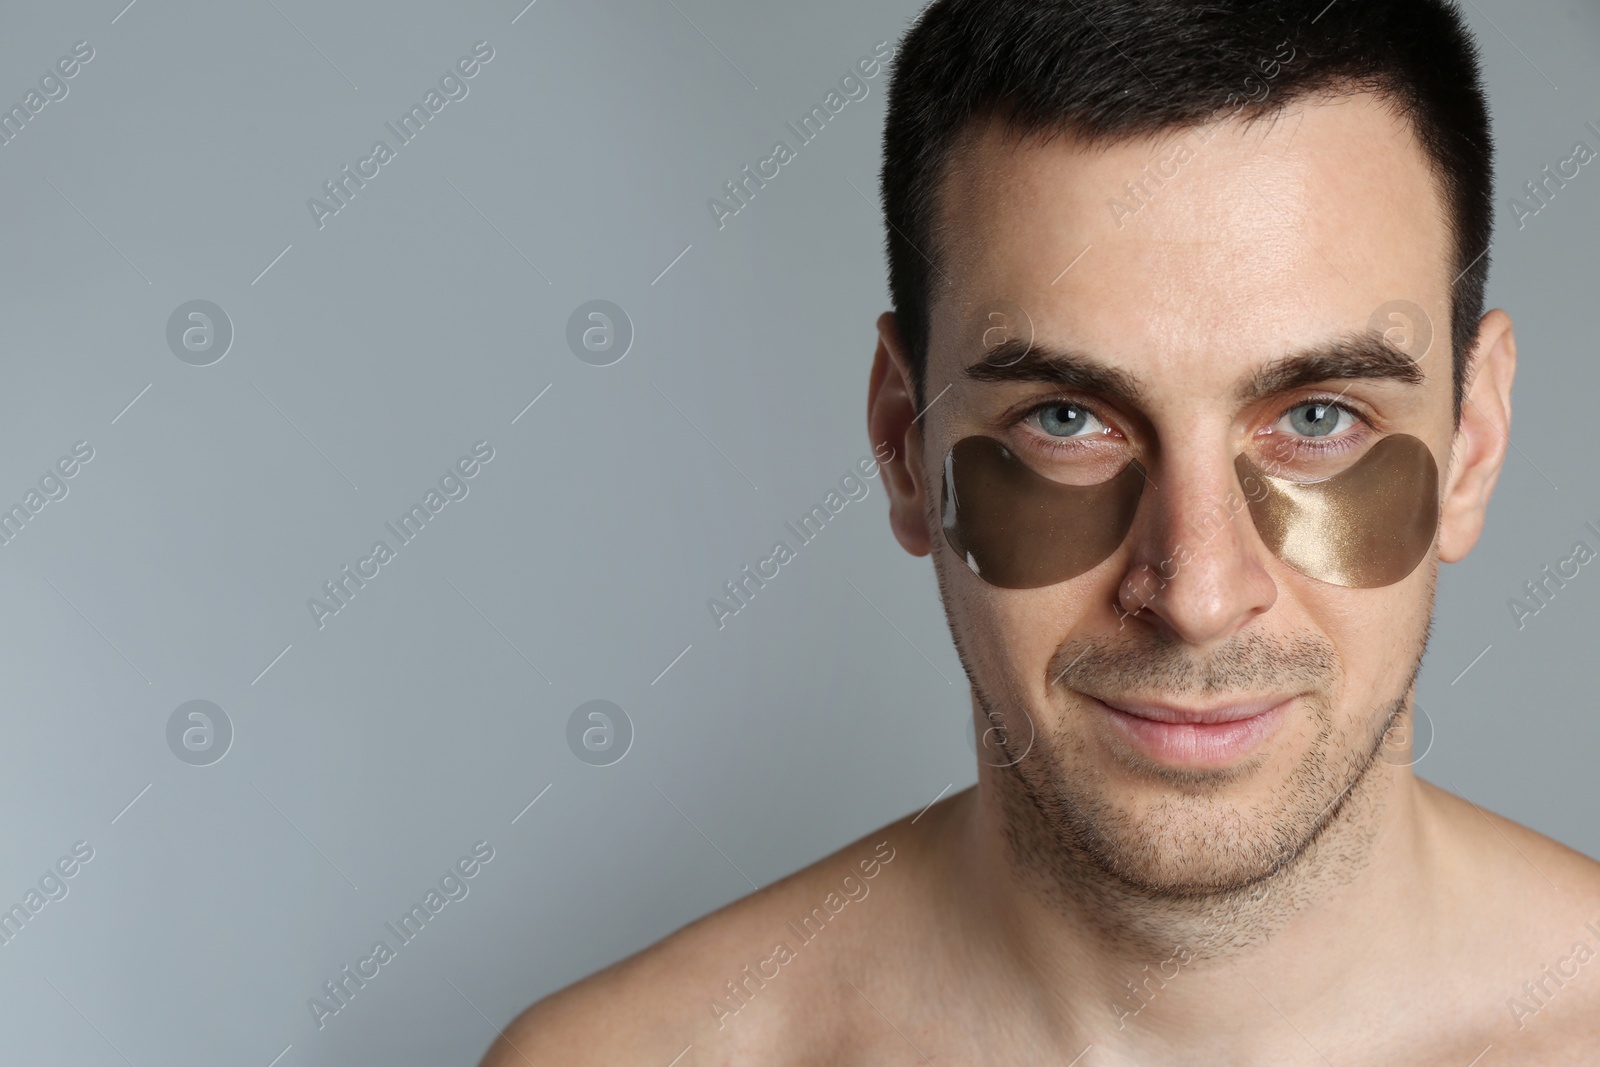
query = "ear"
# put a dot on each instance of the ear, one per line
(892, 420)
(1481, 439)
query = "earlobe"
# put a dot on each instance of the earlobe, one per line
(1482, 438)
(892, 424)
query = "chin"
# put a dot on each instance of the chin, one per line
(1182, 830)
(1190, 846)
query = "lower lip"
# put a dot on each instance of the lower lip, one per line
(1214, 744)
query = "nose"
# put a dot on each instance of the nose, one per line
(1197, 567)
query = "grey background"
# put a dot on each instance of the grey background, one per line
(424, 317)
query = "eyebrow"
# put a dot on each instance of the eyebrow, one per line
(1016, 360)
(1354, 356)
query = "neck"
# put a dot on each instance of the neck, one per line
(1089, 953)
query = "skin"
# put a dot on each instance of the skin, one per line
(1256, 930)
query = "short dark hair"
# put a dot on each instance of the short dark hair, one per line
(1107, 70)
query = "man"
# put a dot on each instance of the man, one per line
(1190, 390)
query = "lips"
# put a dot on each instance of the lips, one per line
(1183, 735)
(1233, 711)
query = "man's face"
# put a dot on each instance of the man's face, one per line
(1254, 245)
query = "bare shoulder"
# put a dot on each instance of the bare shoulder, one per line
(1529, 933)
(1506, 855)
(750, 982)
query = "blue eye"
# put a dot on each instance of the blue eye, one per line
(1319, 418)
(1065, 419)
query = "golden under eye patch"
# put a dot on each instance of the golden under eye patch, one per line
(1020, 530)
(1367, 526)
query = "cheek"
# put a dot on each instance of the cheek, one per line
(1010, 635)
(1376, 634)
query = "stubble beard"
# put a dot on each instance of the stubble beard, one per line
(1199, 869)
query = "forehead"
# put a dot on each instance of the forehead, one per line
(1198, 253)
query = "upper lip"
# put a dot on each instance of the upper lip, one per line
(1232, 711)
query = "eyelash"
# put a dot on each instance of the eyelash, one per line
(1058, 445)
(1325, 446)
(1068, 444)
